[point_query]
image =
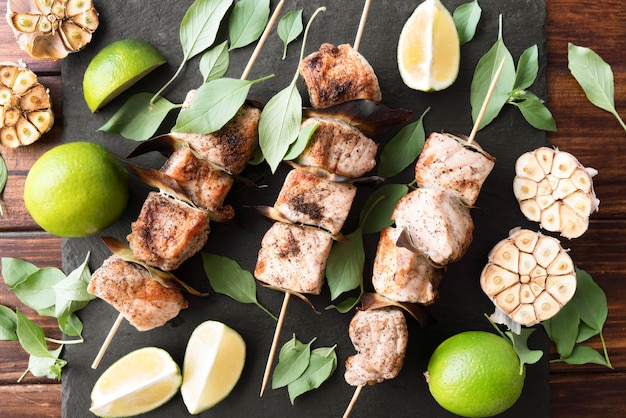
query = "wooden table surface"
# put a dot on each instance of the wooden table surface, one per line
(591, 134)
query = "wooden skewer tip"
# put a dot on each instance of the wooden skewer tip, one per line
(107, 341)
(355, 396)
(270, 357)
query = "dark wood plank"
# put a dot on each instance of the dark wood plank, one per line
(587, 395)
(41, 401)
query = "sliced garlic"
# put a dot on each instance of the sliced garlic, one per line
(538, 286)
(50, 29)
(25, 107)
(556, 190)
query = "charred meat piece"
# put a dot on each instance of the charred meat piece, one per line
(293, 257)
(338, 74)
(311, 200)
(403, 275)
(206, 185)
(339, 148)
(448, 163)
(437, 222)
(380, 338)
(232, 146)
(167, 232)
(128, 287)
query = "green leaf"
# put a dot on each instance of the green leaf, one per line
(564, 329)
(4, 176)
(344, 267)
(378, 209)
(535, 112)
(200, 25)
(69, 323)
(228, 278)
(289, 28)
(483, 75)
(49, 366)
(403, 148)
(37, 291)
(520, 344)
(31, 336)
(291, 364)
(8, 324)
(466, 18)
(214, 104)
(137, 119)
(590, 300)
(322, 365)
(585, 332)
(16, 271)
(583, 355)
(296, 148)
(346, 305)
(214, 63)
(247, 21)
(279, 124)
(527, 68)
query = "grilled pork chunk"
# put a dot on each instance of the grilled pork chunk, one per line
(206, 185)
(380, 338)
(438, 223)
(338, 74)
(338, 147)
(311, 200)
(167, 232)
(232, 146)
(446, 163)
(401, 274)
(128, 287)
(293, 257)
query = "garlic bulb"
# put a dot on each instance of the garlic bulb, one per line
(50, 29)
(529, 276)
(25, 109)
(556, 190)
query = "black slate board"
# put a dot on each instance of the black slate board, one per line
(462, 303)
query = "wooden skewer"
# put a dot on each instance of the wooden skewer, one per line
(357, 392)
(492, 87)
(270, 357)
(107, 341)
(261, 42)
(359, 33)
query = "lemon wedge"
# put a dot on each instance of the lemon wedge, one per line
(139, 382)
(429, 52)
(213, 363)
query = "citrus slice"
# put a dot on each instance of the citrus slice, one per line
(115, 68)
(137, 383)
(214, 359)
(429, 52)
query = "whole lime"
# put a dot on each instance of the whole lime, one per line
(76, 189)
(475, 374)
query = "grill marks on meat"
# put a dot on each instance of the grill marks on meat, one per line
(338, 74)
(311, 200)
(339, 148)
(380, 337)
(293, 257)
(167, 232)
(144, 302)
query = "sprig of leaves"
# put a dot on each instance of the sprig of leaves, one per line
(595, 77)
(228, 278)
(511, 87)
(302, 369)
(466, 18)
(289, 28)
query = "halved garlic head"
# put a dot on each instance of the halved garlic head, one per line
(25, 109)
(556, 190)
(529, 276)
(50, 29)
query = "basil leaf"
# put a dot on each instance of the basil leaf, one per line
(483, 75)
(403, 148)
(214, 104)
(378, 209)
(69, 323)
(49, 366)
(16, 271)
(289, 28)
(37, 291)
(520, 344)
(8, 324)
(137, 119)
(322, 365)
(346, 305)
(279, 124)
(583, 355)
(228, 278)
(296, 148)
(4, 175)
(564, 329)
(247, 21)
(590, 300)
(344, 267)
(214, 63)
(535, 112)
(466, 18)
(31, 336)
(527, 68)
(200, 25)
(291, 364)
(585, 332)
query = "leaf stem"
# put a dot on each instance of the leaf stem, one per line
(166, 85)
(619, 119)
(63, 342)
(604, 349)
(264, 309)
(304, 38)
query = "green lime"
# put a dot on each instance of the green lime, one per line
(115, 68)
(76, 189)
(475, 374)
